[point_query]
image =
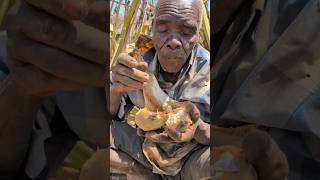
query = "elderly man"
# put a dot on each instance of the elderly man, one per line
(266, 54)
(182, 68)
(50, 51)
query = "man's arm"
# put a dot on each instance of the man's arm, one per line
(115, 100)
(18, 112)
(127, 75)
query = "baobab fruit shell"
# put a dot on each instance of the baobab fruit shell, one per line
(148, 120)
(178, 120)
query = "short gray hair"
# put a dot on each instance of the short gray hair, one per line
(200, 10)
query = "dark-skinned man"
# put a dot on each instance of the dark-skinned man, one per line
(181, 67)
(265, 73)
(54, 46)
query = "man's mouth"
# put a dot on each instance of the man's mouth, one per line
(173, 55)
(173, 59)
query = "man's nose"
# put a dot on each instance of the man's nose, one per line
(174, 43)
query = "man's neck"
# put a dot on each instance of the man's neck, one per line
(173, 77)
(169, 77)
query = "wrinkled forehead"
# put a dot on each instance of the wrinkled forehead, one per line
(180, 9)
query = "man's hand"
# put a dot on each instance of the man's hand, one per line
(196, 130)
(189, 133)
(128, 74)
(50, 50)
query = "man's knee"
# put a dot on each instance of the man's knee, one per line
(198, 165)
(96, 166)
(125, 138)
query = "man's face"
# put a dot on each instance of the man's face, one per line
(175, 32)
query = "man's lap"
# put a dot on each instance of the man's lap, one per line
(199, 159)
(125, 138)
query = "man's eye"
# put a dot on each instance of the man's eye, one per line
(187, 33)
(163, 30)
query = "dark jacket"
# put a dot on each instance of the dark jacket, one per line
(266, 72)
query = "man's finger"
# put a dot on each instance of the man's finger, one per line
(158, 137)
(66, 9)
(127, 81)
(122, 87)
(74, 37)
(181, 136)
(187, 135)
(57, 62)
(142, 66)
(173, 134)
(127, 60)
(131, 72)
(40, 83)
(193, 111)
